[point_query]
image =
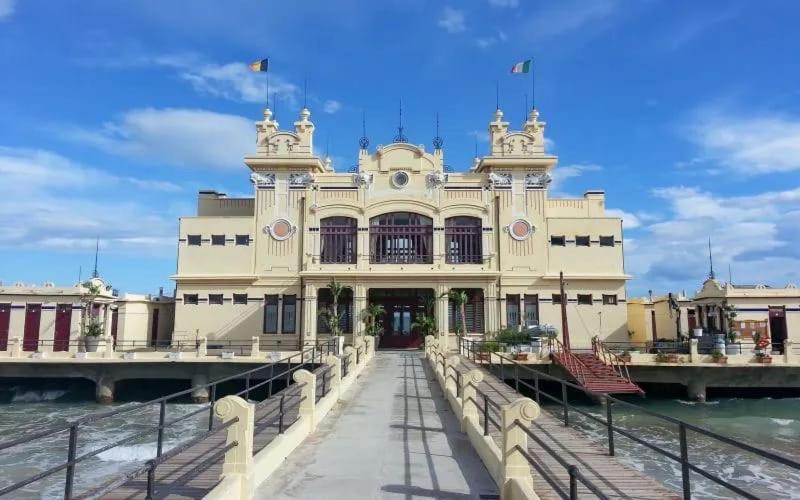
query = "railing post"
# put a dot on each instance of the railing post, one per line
(450, 384)
(71, 453)
(687, 488)
(536, 386)
(469, 397)
(162, 414)
(15, 347)
(573, 482)
(109, 350)
(212, 399)
(202, 347)
(349, 359)
(610, 425)
(308, 405)
(515, 466)
(332, 360)
(565, 402)
(694, 356)
(255, 347)
(247, 387)
(239, 459)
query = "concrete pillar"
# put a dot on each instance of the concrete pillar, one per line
(239, 459)
(442, 320)
(309, 332)
(104, 389)
(255, 348)
(202, 347)
(335, 374)
(694, 356)
(199, 388)
(696, 390)
(787, 351)
(308, 392)
(15, 347)
(502, 311)
(359, 304)
(108, 352)
(450, 375)
(469, 398)
(515, 466)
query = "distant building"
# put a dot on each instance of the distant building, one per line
(399, 230)
(50, 318)
(650, 319)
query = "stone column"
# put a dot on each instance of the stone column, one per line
(308, 391)
(694, 356)
(108, 352)
(502, 311)
(255, 347)
(15, 347)
(199, 388)
(490, 307)
(309, 333)
(202, 347)
(441, 316)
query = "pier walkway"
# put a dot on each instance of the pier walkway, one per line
(392, 436)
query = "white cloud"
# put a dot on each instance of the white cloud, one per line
(6, 9)
(565, 17)
(752, 232)
(488, 41)
(504, 3)
(629, 220)
(452, 20)
(562, 174)
(48, 201)
(331, 106)
(235, 81)
(747, 143)
(182, 137)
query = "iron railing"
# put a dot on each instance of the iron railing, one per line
(470, 349)
(309, 356)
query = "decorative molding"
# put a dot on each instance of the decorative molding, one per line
(520, 229)
(538, 179)
(436, 179)
(362, 179)
(400, 179)
(281, 229)
(500, 179)
(262, 180)
(304, 179)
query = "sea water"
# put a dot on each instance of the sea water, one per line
(766, 423)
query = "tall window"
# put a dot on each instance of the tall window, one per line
(512, 310)
(325, 303)
(473, 312)
(463, 241)
(289, 314)
(531, 310)
(338, 236)
(401, 238)
(271, 314)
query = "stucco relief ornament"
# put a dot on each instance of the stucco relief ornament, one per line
(362, 179)
(262, 180)
(538, 179)
(499, 179)
(437, 179)
(281, 229)
(520, 229)
(300, 179)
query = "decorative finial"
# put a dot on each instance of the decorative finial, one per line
(364, 141)
(400, 137)
(95, 274)
(437, 141)
(710, 261)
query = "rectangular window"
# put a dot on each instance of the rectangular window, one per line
(473, 312)
(556, 298)
(338, 240)
(242, 240)
(190, 298)
(585, 299)
(218, 240)
(609, 300)
(581, 241)
(325, 307)
(240, 298)
(512, 310)
(270, 314)
(531, 310)
(193, 240)
(558, 241)
(215, 299)
(289, 314)
(606, 241)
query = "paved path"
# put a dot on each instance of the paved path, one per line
(392, 436)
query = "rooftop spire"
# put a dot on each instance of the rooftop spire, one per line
(400, 137)
(364, 140)
(95, 274)
(710, 261)
(437, 141)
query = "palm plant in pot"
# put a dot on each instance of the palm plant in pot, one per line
(460, 299)
(425, 323)
(718, 357)
(91, 328)
(370, 316)
(330, 315)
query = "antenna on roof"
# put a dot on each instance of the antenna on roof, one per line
(525, 114)
(437, 141)
(476, 145)
(364, 140)
(400, 137)
(730, 276)
(274, 105)
(497, 95)
(96, 251)
(305, 92)
(710, 261)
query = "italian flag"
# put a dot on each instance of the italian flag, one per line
(521, 67)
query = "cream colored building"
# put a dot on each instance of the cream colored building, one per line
(652, 318)
(397, 230)
(49, 318)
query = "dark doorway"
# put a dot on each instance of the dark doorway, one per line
(653, 325)
(33, 318)
(154, 329)
(402, 307)
(691, 319)
(777, 327)
(5, 321)
(63, 324)
(114, 324)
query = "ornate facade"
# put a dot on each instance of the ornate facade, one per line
(400, 231)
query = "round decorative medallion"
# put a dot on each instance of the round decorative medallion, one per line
(520, 229)
(400, 179)
(281, 229)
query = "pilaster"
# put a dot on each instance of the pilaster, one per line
(309, 333)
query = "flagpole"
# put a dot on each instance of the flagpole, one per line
(533, 98)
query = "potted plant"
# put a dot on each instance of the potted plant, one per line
(486, 349)
(330, 315)
(718, 357)
(370, 315)
(663, 357)
(460, 299)
(625, 356)
(92, 331)
(763, 358)
(731, 345)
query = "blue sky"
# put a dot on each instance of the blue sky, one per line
(114, 114)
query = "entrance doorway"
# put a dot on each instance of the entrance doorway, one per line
(402, 307)
(33, 317)
(777, 327)
(62, 330)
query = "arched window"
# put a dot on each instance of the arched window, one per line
(463, 241)
(337, 240)
(401, 238)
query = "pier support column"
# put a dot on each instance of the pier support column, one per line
(199, 388)
(694, 356)
(696, 390)
(104, 390)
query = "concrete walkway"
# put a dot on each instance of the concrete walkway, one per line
(392, 436)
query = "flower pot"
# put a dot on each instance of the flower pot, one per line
(764, 360)
(625, 357)
(521, 356)
(733, 348)
(721, 361)
(91, 343)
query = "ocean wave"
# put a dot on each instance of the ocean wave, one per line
(36, 396)
(692, 403)
(783, 421)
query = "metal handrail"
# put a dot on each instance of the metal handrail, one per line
(612, 359)
(612, 429)
(73, 459)
(572, 363)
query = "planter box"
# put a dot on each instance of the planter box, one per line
(81, 355)
(764, 360)
(720, 361)
(227, 355)
(39, 355)
(175, 355)
(669, 358)
(521, 356)
(129, 355)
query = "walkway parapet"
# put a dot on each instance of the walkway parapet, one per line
(202, 347)
(335, 380)
(237, 466)
(516, 468)
(308, 386)
(469, 398)
(255, 348)
(451, 375)
(16, 347)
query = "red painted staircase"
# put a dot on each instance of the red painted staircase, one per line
(599, 371)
